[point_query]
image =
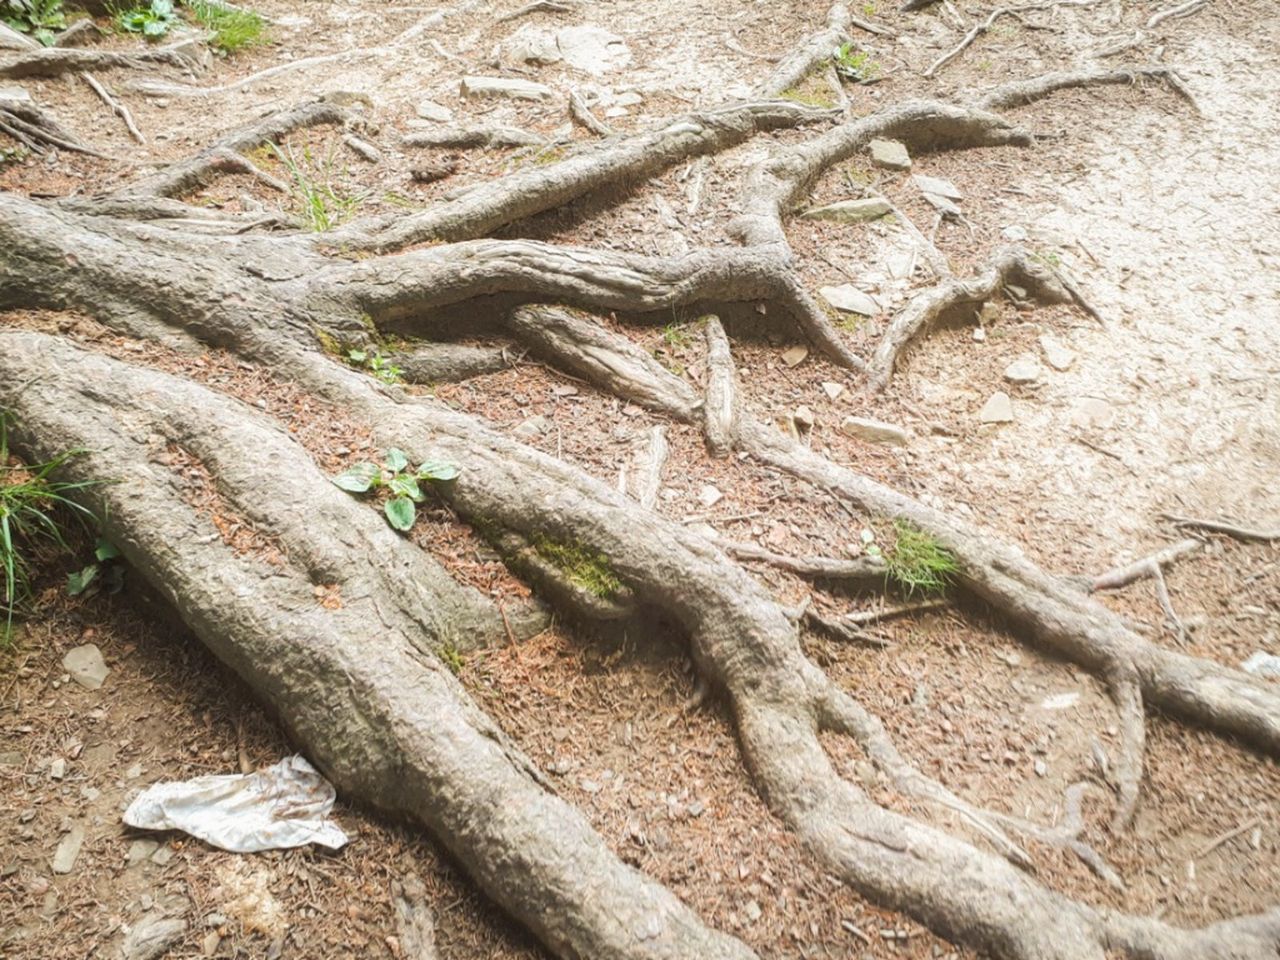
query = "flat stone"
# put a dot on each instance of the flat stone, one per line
(1262, 664)
(430, 110)
(12, 758)
(1092, 412)
(505, 87)
(851, 211)
(58, 769)
(139, 851)
(592, 50)
(152, 936)
(162, 856)
(998, 409)
(1055, 354)
(802, 417)
(938, 187)
(1014, 234)
(86, 666)
(64, 858)
(530, 45)
(832, 390)
(709, 496)
(1024, 370)
(532, 428)
(850, 299)
(943, 205)
(874, 431)
(889, 154)
(794, 356)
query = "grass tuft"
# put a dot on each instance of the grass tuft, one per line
(31, 506)
(232, 29)
(323, 208)
(918, 563)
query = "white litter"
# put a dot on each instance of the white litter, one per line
(286, 805)
(1262, 665)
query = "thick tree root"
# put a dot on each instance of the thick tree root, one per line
(23, 120)
(358, 685)
(1011, 265)
(52, 61)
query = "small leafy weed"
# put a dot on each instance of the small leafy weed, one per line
(40, 18)
(394, 475)
(373, 361)
(101, 575)
(232, 29)
(855, 65)
(152, 21)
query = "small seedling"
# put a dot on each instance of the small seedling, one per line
(232, 29)
(677, 335)
(917, 563)
(151, 21)
(40, 18)
(855, 65)
(868, 9)
(402, 483)
(451, 658)
(373, 361)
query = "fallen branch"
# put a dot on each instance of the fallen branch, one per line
(118, 108)
(1123, 576)
(1228, 529)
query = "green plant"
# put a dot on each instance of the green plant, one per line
(1048, 258)
(677, 334)
(151, 21)
(322, 206)
(373, 361)
(232, 29)
(451, 657)
(917, 562)
(40, 18)
(855, 65)
(584, 567)
(102, 574)
(11, 155)
(868, 9)
(30, 501)
(402, 483)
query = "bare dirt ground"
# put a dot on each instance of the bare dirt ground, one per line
(1167, 219)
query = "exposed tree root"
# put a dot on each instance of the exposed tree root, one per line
(812, 52)
(1129, 573)
(987, 24)
(1227, 529)
(1027, 91)
(1011, 265)
(52, 61)
(721, 407)
(22, 119)
(118, 108)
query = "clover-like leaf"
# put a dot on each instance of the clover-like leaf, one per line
(403, 485)
(396, 460)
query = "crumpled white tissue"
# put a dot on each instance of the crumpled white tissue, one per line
(285, 805)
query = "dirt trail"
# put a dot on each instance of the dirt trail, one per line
(1169, 221)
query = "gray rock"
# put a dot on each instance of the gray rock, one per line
(802, 417)
(998, 409)
(86, 666)
(139, 851)
(850, 299)
(1023, 370)
(430, 110)
(592, 50)
(64, 858)
(505, 87)
(943, 205)
(58, 769)
(874, 431)
(1055, 354)
(889, 154)
(152, 936)
(1014, 234)
(938, 187)
(532, 428)
(794, 356)
(851, 211)
(531, 46)
(832, 390)
(1092, 412)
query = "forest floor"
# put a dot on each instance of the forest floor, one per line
(1168, 220)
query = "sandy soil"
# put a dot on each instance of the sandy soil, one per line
(1167, 219)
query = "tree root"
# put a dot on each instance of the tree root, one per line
(1129, 573)
(811, 52)
(1022, 92)
(52, 61)
(1227, 529)
(116, 107)
(201, 169)
(1010, 265)
(721, 407)
(23, 120)
(987, 24)
(377, 710)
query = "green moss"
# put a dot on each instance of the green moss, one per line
(918, 563)
(328, 342)
(584, 567)
(451, 658)
(808, 97)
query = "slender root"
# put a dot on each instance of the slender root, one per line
(987, 24)
(1139, 569)
(1227, 529)
(118, 108)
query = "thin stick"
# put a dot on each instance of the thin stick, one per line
(1222, 838)
(581, 113)
(819, 568)
(987, 24)
(862, 617)
(118, 108)
(1181, 10)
